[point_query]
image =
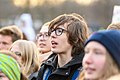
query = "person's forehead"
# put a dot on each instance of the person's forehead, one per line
(5, 36)
(64, 26)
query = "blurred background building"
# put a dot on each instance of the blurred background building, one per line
(97, 13)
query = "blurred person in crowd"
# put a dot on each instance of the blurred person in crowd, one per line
(114, 26)
(9, 67)
(27, 54)
(67, 34)
(43, 42)
(8, 35)
(102, 56)
(26, 25)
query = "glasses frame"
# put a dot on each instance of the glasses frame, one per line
(57, 31)
(44, 35)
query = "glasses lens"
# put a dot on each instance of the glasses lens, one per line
(59, 31)
(45, 35)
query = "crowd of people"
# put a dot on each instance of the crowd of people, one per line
(64, 50)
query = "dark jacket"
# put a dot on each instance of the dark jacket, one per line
(49, 68)
(33, 76)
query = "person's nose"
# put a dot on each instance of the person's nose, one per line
(1, 46)
(88, 59)
(53, 35)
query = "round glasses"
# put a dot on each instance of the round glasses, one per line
(44, 35)
(58, 31)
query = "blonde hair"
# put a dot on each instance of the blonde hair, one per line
(115, 77)
(81, 76)
(45, 24)
(111, 68)
(29, 56)
(114, 26)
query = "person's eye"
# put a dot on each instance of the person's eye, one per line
(46, 34)
(39, 35)
(18, 53)
(59, 30)
(4, 43)
(1, 76)
(97, 52)
(86, 51)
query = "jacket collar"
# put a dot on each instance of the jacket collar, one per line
(75, 60)
(53, 59)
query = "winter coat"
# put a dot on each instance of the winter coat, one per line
(33, 76)
(50, 71)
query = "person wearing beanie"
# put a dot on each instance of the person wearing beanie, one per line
(9, 68)
(102, 55)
